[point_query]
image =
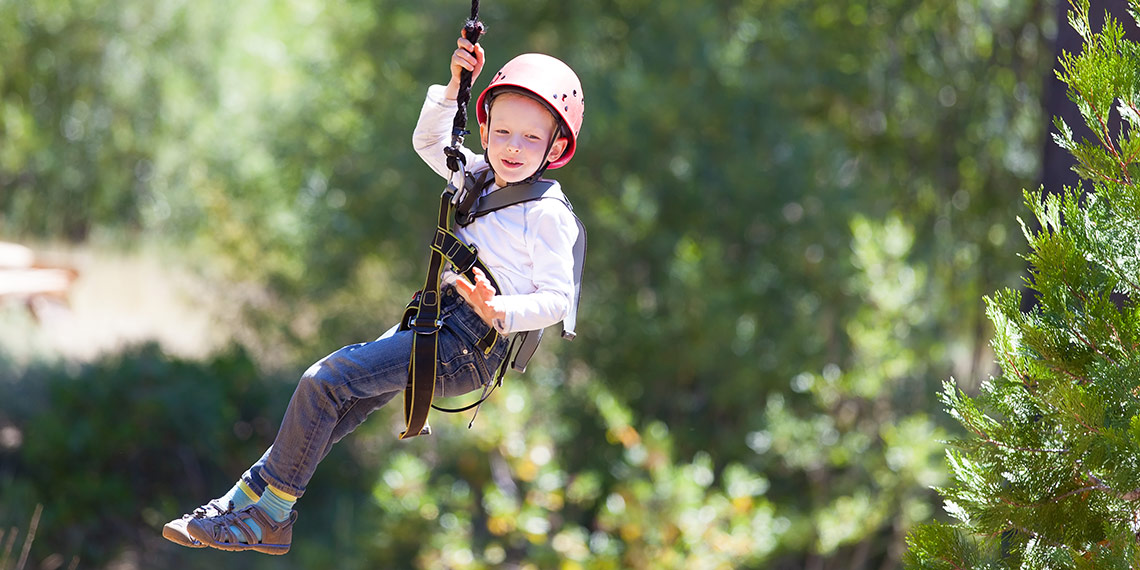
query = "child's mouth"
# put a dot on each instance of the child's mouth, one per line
(511, 163)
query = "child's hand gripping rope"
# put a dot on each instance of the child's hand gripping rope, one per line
(467, 57)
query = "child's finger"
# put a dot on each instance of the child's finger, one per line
(482, 281)
(463, 59)
(486, 285)
(475, 51)
(464, 286)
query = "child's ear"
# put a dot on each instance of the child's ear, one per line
(557, 149)
(483, 135)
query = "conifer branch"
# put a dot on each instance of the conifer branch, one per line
(1064, 496)
(1104, 135)
(1077, 335)
(1069, 324)
(1135, 285)
(988, 439)
(1036, 535)
(952, 563)
(1116, 335)
(1078, 379)
(1131, 156)
(1013, 364)
(1013, 504)
(1090, 344)
(1105, 139)
(1129, 496)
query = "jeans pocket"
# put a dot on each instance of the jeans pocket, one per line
(460, 370)
(470, 324)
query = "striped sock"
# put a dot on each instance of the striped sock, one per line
(277, 504)
(274, 502)
(241, 495)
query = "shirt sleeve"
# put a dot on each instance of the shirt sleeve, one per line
(433, 132)
(550, 234)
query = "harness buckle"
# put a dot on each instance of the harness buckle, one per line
(420, 326)
(463, 262)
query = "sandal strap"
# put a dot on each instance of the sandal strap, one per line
(250, 536)
(220, 528)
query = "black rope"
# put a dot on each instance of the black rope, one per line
(472, 29)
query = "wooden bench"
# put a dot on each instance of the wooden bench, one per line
(22, 278)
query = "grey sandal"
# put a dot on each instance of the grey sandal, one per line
(276, 537)
(175, 530)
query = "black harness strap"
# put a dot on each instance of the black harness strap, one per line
(423, 318)
(423, 314)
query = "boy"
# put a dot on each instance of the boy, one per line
(529, 118)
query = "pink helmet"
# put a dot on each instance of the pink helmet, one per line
(553, 82)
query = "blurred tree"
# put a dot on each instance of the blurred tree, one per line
(800, 207)
(1048, 477)
(85, 113)
(793, 210)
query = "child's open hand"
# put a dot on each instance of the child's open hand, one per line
(481, 296)
(467, 56)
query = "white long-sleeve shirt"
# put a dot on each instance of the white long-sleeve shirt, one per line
(529, 247)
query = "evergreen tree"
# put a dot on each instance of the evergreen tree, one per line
(1049, 476)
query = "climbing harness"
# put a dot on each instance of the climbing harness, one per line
(463, 205)
(422, 314)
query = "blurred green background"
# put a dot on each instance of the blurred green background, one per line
(794, 209)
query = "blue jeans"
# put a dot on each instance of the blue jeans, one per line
(340, 391)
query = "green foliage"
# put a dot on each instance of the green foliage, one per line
(105, 446)
(939, 546)
(793, 210)
(1051, 465)
(520, 489)
(116, 448)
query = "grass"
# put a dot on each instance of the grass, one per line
(9, 538)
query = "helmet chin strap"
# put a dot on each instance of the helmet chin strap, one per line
(558, 132)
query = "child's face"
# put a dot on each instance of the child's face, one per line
(517, 136)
